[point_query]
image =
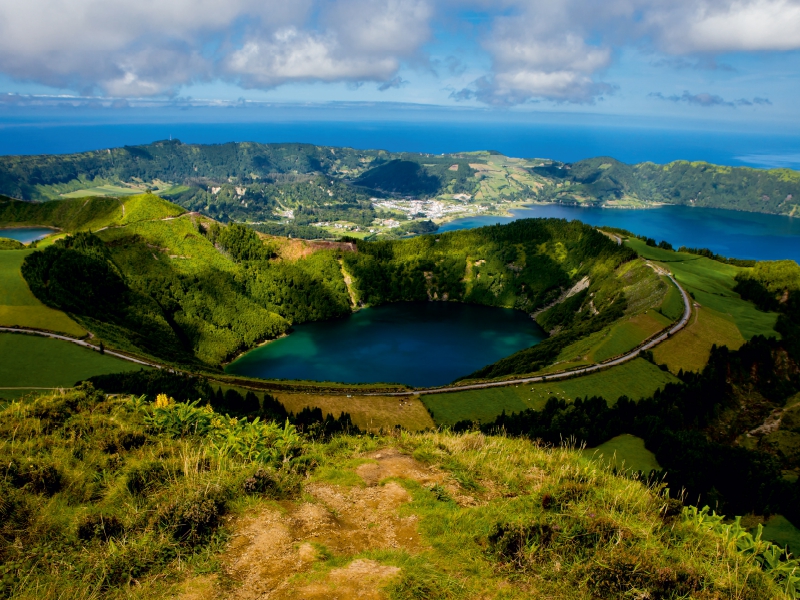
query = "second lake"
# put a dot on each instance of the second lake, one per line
(417, 343)
(732, 233)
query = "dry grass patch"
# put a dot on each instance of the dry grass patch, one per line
(370, 413)
(690, 348)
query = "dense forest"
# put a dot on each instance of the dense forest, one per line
(680, 182)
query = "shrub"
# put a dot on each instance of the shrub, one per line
(143, 478)
(194, 518)
(100, 527)
(261, 481)
(37, 477)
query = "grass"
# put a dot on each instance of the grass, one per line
(625, 452)
(19, 307)
(103, 497)
(625, 335)
(88, 214)
(711, 284)
(635, 379)
(690, 348)
(780, 531)
(33, 361)
(370, 413)
(102, 190)
(672, 305)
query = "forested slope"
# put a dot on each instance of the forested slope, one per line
(680, 182)
(189, 291)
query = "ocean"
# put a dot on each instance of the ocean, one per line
(564, 142)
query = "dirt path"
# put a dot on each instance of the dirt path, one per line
(273, 552)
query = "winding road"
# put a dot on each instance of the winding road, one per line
(646, 345)
(83, 343)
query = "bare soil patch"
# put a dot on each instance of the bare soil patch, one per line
(273, 552)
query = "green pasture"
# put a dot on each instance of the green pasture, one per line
(625, 335)
(711, 284)
(635, 379)
(672, 305)
(19, 307)
(625, 452)
(120, 191)
(102, 190)
(31, 361)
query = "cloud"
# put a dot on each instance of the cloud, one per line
(726, 25)
(704, 63)
(536, 49)
(462, 95)
(394, 83)
(706, 99)
(152, 47)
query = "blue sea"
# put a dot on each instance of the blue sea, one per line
(564, 142)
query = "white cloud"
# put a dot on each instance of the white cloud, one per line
(292, 55)
(555, 50)
(727, 26)
(360, 40)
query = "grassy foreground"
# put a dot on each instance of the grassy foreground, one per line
(121, 497)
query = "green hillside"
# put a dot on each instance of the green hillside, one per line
(188, 291)
(307, 191)
(689, 183)
(87, 214)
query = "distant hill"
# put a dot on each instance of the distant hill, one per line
(303, 184)
(688, 183)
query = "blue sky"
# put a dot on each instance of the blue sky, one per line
(715, 63)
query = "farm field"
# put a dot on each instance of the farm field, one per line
(102, 190)
(625, 452)
(635, 379)
(711, 284)
(18, 306)
(119, 191)
(690, 348)
(31, 361)
(370, 413)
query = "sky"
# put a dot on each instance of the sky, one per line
(724, 63)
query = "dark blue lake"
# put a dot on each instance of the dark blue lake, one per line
(728, 232)
(417, 343)
(26, 235)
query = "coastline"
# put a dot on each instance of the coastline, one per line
(243, 352)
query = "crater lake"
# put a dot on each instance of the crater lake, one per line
(421, 344)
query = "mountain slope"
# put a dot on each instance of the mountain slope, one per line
(688, 183)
